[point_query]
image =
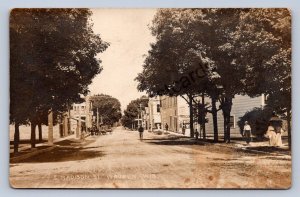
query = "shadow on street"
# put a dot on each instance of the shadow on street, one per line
(174, 140)
(266, 150)
(27, 142)
(68, 150)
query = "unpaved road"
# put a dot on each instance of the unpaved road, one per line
(120, 160)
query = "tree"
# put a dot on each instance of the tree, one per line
(133, 111)
(263, 40)
(108, 107)
(53, 60)
(239, 46)
(174, 65)
(213, 30)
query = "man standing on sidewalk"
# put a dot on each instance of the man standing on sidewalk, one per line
(141, 131)
(247, 132)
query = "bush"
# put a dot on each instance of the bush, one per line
(258, 119)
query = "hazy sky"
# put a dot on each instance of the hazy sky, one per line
(129, 36)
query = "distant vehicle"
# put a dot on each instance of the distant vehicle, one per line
(109, 129)
(104, 129)
(94, 130)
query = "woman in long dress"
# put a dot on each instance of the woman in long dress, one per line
(274, 135)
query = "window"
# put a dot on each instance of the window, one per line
(232, 121)
(158, 108)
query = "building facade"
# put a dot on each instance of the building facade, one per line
(240, 105)
(82, 111)
(169, 110)
(154, 116)
(175, 113)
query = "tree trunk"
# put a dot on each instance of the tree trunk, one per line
(69, 122)
(226, 108)
(225, 128)
(203, 122)
(40, 132)
(65, 123)
(191, 116)
(289, 128)
(215, 119)
(50, 128)
(33, 141)
(203, 131)
(228, 128)
(16, 138)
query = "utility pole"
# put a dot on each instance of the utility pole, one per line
(138, 119)
(97, 118)
(50, 128)
(78, 127)
(79, 123)
(141, 114)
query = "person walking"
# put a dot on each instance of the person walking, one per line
(183, 129)
(141, 131)
(166, 126)
(247, 132)
(197, 134)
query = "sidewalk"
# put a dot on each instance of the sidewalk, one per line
(239, 144)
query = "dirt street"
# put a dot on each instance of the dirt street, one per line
(121, 160)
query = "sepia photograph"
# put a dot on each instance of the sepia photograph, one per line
(185, 98)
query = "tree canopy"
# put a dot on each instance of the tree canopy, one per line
(52, 60)
(109, 108)
(241, 51)
(133, 110)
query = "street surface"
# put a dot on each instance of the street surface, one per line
(121, 160)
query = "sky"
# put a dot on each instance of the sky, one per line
(129, 36)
